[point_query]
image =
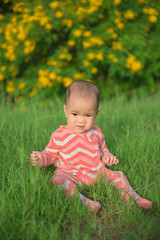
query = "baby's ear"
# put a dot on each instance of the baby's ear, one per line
(65, 110)
(98, 111)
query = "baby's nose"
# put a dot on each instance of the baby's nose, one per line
(81, 119)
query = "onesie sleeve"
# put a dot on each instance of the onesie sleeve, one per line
(103, 148)
(50, 154)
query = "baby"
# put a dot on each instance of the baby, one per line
(78, 150)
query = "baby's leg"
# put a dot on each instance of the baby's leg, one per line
(65, 183)
(118, 179)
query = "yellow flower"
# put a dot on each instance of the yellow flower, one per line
(54, 4)
(115, 59)
(21, 36)
(77, 33)
(96, 41)
(110, 56)
(67, 22)
(58, 14)
(88, 80)
(153, 11)
(1, 17)
(71, 43)
(86, 44)
(99, 56)
(6, 1)
(26, 59)
(146, 28)
(42, 105)
(62, 56)
(145, 10)
(29, 46)
(87, 33)
(33, 92)
(116, 2)
(11, 87)
(43, 72)
(130, 61)
(69, 57)
(14, 74)
(90, 56)
(152, 89)
(117, 20)
(82, 26)
(109, 30)
(23, 109)
(133, 64)
(43, 81)
(117, 46)
(10, 56)
(3, 68)
(92, 9)
(78, 76)
(44, 20)
(137, 66)
(153, 19)
(11, 68)
(1, 77)
(94, 70)
(86, 63)
(59, 79)
(101, 16)
(48, 26)
(52, 63)
(129, 15)
(20, 99)
(38, 8)
(67, 81)
(114, 35)
(21, 32)
(120, 26)
(52, 76)
(141, 1)
(22, 85)
(117, 13)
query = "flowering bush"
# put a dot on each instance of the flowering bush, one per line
(46, 45)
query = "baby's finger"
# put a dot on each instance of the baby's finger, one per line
(34, 162)
(106, 160)
(115, 161)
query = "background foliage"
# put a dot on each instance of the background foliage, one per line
(45, 45)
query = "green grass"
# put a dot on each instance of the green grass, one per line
(30, 208)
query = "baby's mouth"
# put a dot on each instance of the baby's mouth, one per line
(80, 127)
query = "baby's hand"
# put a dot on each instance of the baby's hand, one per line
(109, 160)
(35, 158)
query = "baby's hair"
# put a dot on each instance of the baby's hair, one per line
(85, 88)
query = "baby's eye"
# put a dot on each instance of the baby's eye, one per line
(74, 114)
(88, 115)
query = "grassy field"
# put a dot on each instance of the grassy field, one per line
(30, 208)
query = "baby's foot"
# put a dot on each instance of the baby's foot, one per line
(144, 203)
(93, 206)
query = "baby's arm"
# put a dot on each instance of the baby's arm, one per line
(47, 156)
(107, 157)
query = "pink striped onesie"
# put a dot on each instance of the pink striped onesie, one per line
(77, 158)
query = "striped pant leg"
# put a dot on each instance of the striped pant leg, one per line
(66, 184)
(118, 179)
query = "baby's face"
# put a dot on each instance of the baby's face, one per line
(80, 112)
